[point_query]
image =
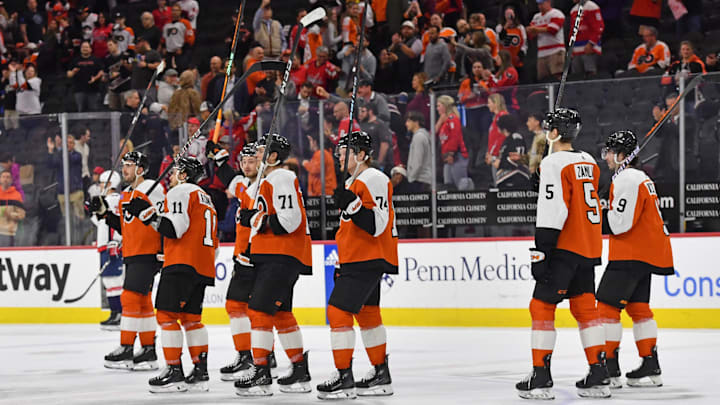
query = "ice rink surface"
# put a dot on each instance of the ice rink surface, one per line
(63, 364)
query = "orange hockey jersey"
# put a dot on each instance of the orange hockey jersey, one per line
(515, 41)
(644, 58)
(140, 242)
(243, 192)
(356, 247)
(568, 202)
(280, 195)
(638, 231)
(193, 216)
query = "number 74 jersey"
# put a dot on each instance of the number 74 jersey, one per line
(568, 202)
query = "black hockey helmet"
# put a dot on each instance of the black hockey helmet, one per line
(278, 143)
(138, 159)
(565, 120)
(248, 150)
(360, 140)
(623, 141)
(191, 167)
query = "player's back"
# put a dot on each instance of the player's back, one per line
(195, 221)
(568, 202)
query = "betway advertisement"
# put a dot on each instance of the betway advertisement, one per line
(437, 274)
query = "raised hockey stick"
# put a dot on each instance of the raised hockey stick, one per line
(155, 75)
(353, 97)
(256, 67)
(92, 283)
(311, 17)
(233, 48)
(569, 53)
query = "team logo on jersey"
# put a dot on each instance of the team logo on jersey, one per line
(651, 187)
(584, 172)
(511, 40)
(127, 216)
(205, 199)
(646, 59)
(172, 31)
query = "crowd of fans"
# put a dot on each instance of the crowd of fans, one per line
(472, 54)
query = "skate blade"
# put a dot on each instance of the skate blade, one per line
(615, 383)
(377, 391)
(337, 395)
(296, 388)
(145, 366)
(110, 328)
(119, 365)
(537, 393)
(238, 375)
(598, 391)
(649, 381)
(169, 388)
(257, 391)
(202, 386)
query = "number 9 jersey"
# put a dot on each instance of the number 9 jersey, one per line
(568, 202)
(193, 216)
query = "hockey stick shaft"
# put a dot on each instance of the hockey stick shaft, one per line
(353, 97)
(256, 67)
(569, 56)
(228, 72)
(92, 283)
(135, 119)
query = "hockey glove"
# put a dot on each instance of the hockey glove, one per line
(258, 222)
(347, 201)
(244, 215)
(113, 248)
(142, 209)
(539, 266)
(215, 153)
(98, 206)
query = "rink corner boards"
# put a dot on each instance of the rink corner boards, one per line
(700, 318)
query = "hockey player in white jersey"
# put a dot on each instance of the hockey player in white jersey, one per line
(109, 246)
(639, 247)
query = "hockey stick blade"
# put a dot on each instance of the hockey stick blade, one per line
(92, 283)
(313, 16)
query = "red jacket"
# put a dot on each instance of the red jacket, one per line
(451, 138)
(320, 75)
(495, 137)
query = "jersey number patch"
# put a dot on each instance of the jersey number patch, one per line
(593, 214)
(210, 221)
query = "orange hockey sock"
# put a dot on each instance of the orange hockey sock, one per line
(610, 317)
(592, 334)
(239, 324)
(342, 336)
(289, 335)
(262, 335)
(171, 336)
(644, 327)
(543, 330)
(373, 333)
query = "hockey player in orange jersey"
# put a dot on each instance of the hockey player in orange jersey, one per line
(568, 245)
(639, 247)
(189, 225)
(280, 252)
(141, 246)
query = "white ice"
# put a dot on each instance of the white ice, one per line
(53, 364)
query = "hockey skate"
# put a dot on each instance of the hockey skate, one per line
(145, 359)
(112, 323)
(597, 383)
(170, 380)
(198, 380)
(120, 358)
(538, 384)
(256, 384)
(298, 380)
(341, 385)
(377, 382)
(239, 368)
(648, 374)
(613, 367)
(272, 362)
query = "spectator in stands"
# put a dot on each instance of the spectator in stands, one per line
(451, 11)
(645, 13)
(512, 171)
(379, 133)
(268, 32)
(32, 23)
(166, 89)
(313, 166)
(650, 57)
(351, 23)
(162, 14)
(387, 80)
(216, 65)
(331, 36)
(398, 178)
(197, 146)
(366, 94)
(504, 80)
(149, 31)
(406, 48)
(302, 42)
(419, 164)
(86, 73)
(215, 88)
(118, 71)
(95, 188)
(711, 62)
(9, 100)
(12, 210)
(7, 162)
(367, 67)
(55, 161)
(306, 109)
(437, 56)
(421, 100)
(547, 27)
(474, 48)
(496, 105)
(320, 72)
(342, 115)
(27, 88)
(185, 102)
(191, 8)
(144, 65)
(298, 71)
(452, 146)
(178, 38)
(478, 23)
(100, 35)
(587, 49)
(692, 20)
(537, 149)
(124, 35)
(512, 36)
(688, 62)
(82, 146)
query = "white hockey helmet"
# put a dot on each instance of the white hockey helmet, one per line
(114, 179)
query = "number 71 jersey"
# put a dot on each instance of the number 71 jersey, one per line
(568, 202)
